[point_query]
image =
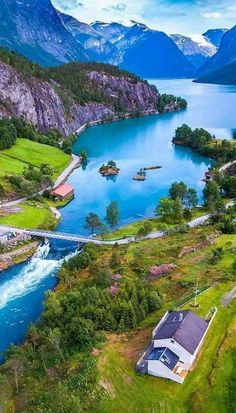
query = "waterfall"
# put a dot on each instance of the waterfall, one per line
(31, 275)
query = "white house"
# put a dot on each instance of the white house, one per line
(176, 342)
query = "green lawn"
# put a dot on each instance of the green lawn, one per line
(33, 215)
(13, 160)
(131, 392)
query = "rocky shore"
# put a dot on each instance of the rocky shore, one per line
(18, 255)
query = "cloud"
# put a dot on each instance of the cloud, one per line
(211, 15)
(68, 4)
(116, 7)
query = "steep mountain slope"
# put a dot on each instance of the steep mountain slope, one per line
(34, 29)
(226, 75)
(154, 54)
(199, 48)
(214, 36)
(96, 45)
(147, 52)
(196, 49)
(112, 31)
(69, 96)
(225, 55)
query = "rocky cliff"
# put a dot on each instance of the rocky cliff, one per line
(43, 102)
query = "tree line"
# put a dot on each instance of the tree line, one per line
(203, 142)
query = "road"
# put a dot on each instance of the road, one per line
(228, 297)
(76, 161)
(226, 166)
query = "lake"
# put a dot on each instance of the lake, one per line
(140, 142)
(133, 144)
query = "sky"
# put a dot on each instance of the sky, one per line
(187, 17)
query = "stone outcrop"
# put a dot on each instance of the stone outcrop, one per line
(40, 102)
(211, 240)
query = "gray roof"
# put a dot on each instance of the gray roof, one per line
(185, 327)
(165, 355)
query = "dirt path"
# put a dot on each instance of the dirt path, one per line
(228, 297)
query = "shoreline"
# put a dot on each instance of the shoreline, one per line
(126, 116)
(21, 255)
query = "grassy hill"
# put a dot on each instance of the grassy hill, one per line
(102, 374)
(25, 152)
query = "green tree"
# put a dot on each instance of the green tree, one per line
(211, 194)
(92, 221)
(178, 190)
(170, 210)
(80, 332)
(191, 198)
(112, 214)
(84, 155)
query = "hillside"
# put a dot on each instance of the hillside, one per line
(149, 53)
(35, 30)
(40, 32)
(69, 96)
(70, 363)
(225, 76)
(225, 55)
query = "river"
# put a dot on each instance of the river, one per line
(133, 144)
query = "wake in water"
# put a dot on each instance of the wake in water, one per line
(31, 275)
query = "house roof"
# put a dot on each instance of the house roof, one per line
(185, 327)
(63, 190)
(165, 355)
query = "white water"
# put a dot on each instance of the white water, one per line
(31, 276)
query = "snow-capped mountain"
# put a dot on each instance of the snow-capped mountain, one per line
(146, 52)
(37, 30)
(96, 45)
(225, 55)
(199, 48)
(214, 36)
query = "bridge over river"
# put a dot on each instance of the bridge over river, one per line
(86, 239)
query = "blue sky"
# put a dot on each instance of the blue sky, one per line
(172, 16)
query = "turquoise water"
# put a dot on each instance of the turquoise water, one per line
(132, 144)
(137, 143)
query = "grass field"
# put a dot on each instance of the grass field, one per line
(13, 160)
(32, 215)
(131, 392)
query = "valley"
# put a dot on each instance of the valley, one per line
(117, 206)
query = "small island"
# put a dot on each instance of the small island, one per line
(110, 169)
(141, 175)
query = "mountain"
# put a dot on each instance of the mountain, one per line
(214, 36)
(199, 48)
(34, 29)
(71, 95)
(96, 45)
(225, 55)
(146, 52)
(113, 32)
(226, 75)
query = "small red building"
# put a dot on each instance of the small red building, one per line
(64, 191)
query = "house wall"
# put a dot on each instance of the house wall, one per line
(160, 323)
(183, 354)
(158, 369)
